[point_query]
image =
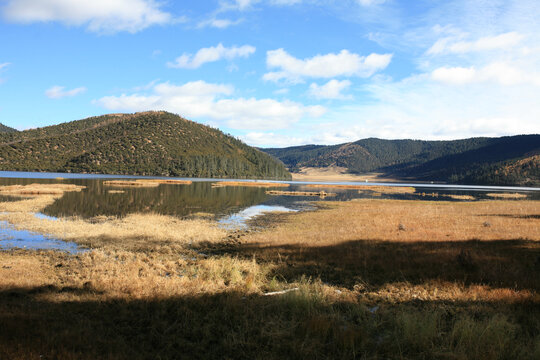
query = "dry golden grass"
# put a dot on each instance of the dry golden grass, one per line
(135, 231)
(421, 221)
(39, 189)
(116, 192)
(249, 184)
(375, 278)
(146, 182)
(378, 188)
(321, 194)
(170, 181)
(336, 173)
(460, 197)
(507, 195)
(124, 183)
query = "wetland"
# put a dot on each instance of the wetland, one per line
(233, 272)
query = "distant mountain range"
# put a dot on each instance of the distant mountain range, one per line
(150, 143)
(513, 160)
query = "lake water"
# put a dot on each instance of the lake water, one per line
(231, 206)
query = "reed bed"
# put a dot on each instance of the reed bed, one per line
(39, 189)
(321, 194)
(171, 181)
(460, 197)
(377, 188)
(146, 182)
(507, 195)
(249, 184)
(124, 183)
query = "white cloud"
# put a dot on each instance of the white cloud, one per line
(331, 90)
(370, 2)
(487, 43)
(218, 23)
(330, 65)
(285, 2)
(4, 65)
(497, 72)
(102, 16)
(202, 101)
(58, 92)
(211, 54)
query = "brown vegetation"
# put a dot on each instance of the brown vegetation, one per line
(507, 195)
(145, 182)
(376, 279)
(460, 197)
(378, 188)
(39, 189)
(321, 194)
(249, 184)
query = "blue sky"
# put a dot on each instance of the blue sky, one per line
(278, 72)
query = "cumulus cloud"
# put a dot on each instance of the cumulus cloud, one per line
(497, 72)
(330, 65)
(102, 16)
(331, 90)
(211, 54)
(200, 100)
(58, 92)
(453, 46)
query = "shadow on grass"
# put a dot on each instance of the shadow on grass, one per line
(230, 325)
(502, 263)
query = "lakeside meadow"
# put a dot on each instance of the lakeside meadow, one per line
(364, 279)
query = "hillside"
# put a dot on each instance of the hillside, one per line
(150, 143)
(6, 129)
(512, 160)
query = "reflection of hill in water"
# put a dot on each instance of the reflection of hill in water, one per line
(178, 200)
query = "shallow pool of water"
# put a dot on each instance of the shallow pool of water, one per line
(11, 238)
(240, 219)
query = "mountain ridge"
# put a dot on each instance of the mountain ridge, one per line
(509, 160)
(6, 129)
(146, 143)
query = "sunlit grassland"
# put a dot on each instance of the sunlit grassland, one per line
(374, 279)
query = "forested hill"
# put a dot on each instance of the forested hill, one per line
(6, 129)
(513, 160)
(150, 143)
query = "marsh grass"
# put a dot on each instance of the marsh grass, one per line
(445, 286)
(459, 197)
(39, 189)
(377, 188)
(249, 184)
(507, 195)
(321, 194)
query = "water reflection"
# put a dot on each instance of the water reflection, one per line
(11, 238)
(200, 197)
(239, 220)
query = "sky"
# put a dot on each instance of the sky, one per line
(278, 73)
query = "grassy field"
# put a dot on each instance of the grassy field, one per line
(366, 279)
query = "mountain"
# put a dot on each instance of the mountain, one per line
(6, 129)
(149, 143)
(511, 160)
